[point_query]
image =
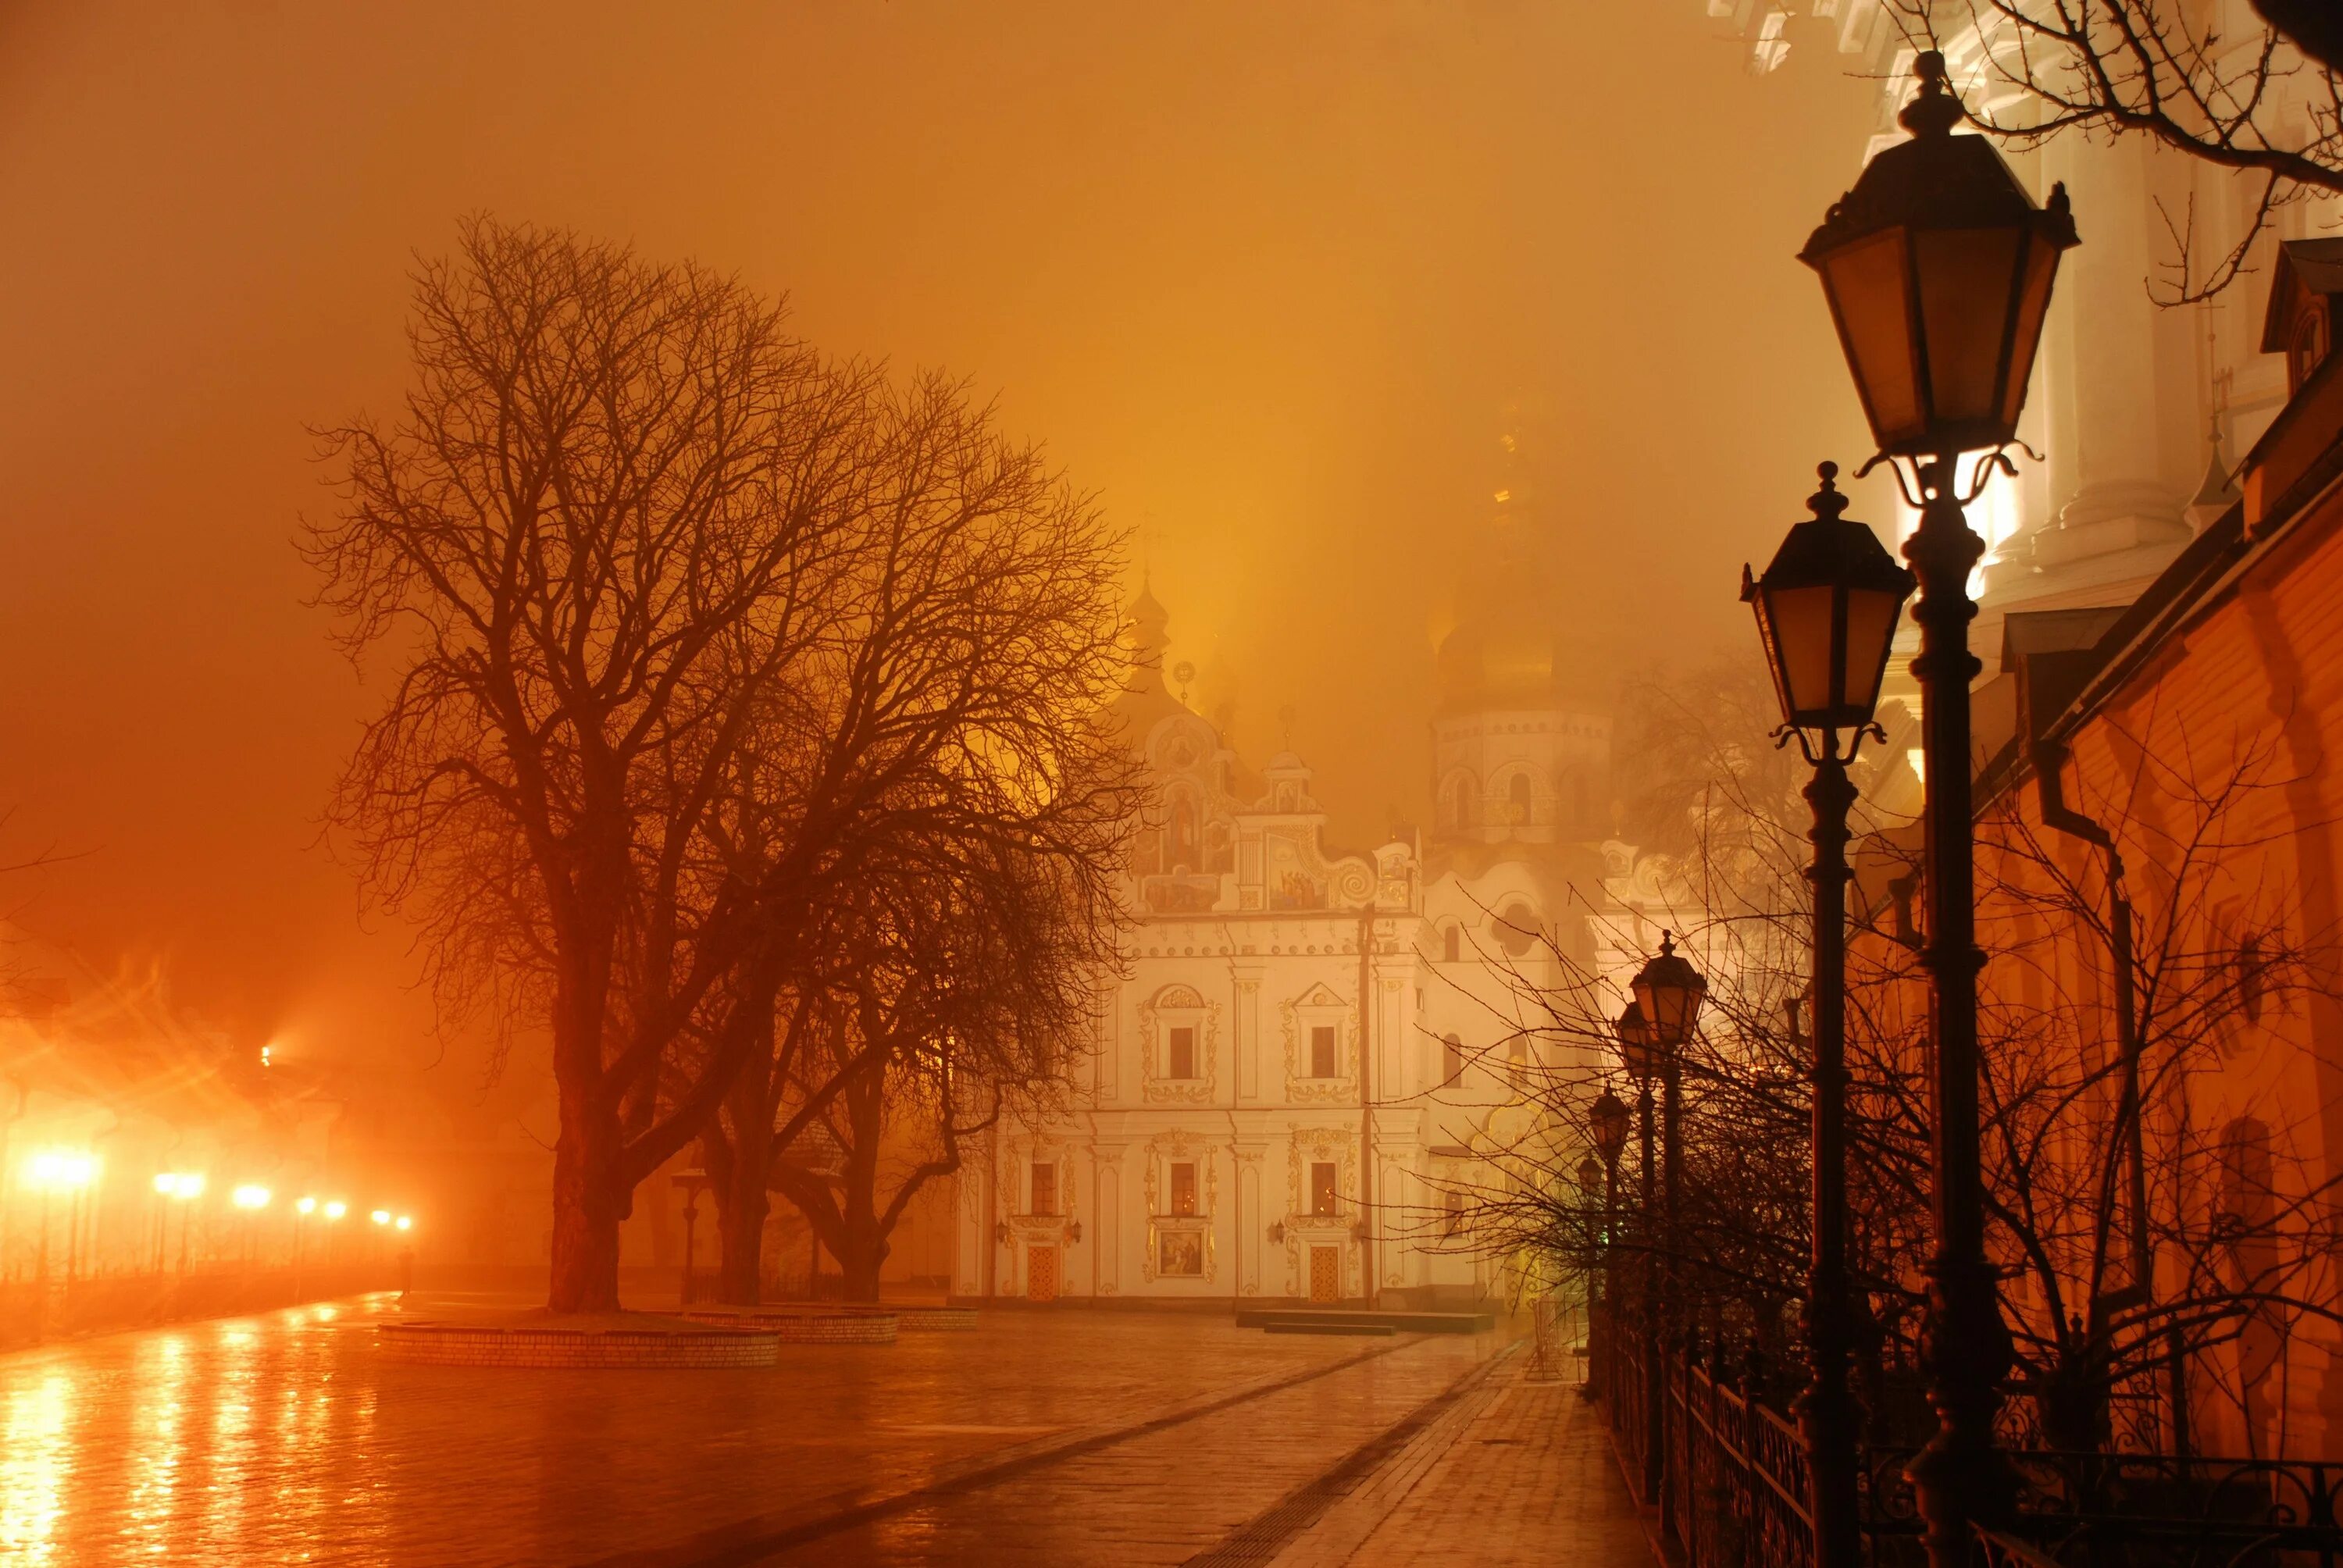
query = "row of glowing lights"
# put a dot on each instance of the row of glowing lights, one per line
(63, 1170)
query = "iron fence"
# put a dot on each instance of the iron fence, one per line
(1735, 1489)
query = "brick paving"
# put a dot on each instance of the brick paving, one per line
(1516, 1472)
(1059, 1437)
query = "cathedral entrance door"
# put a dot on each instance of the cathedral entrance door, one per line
(1325, 1273)
(1040, 1273)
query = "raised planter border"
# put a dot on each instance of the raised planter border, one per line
(804, 1325)
(617, 1350)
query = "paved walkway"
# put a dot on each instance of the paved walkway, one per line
(1041, 1438)
(1515, 1473)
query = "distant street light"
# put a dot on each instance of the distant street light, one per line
(52, 1170)
(251, 1198)
(380, 1216)
(1938, 266)
(1643, 1065)
(336, 1209)
(1668, 995)
(1827, 613)
(406, 1222)
(184, 1188)
(694, 1181)
(306, 1205)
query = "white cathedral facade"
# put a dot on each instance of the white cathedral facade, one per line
(1311, 1049)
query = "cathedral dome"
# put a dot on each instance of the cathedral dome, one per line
(1517, 643)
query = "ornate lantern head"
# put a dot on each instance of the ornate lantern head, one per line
(1937, 266)
(1669, 992)
(1827, 608)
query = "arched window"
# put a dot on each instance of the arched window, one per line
(1518, 929)
(1517, 800)
(2308, 351)
(1460, 801)
(1452, 944)
(1182, 850)
(1452, 1058)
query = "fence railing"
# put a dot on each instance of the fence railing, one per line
(1736, 1488)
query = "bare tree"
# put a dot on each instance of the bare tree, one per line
(595, 543)
(2265, 105)
(971, 996)
(948, 766)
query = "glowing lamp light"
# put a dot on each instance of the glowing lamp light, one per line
(61, 1170)
(336, 1209)
(165, 1183)
(250, 1197)
(407, 1223)
(380, 1216)
(180, 1184)
(306, 1205)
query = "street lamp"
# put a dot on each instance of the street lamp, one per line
(60, 1171)
(694, 1181)
(184, 1188)
(1668, 994)
(1642, 1064)
(1827, 612)
(251, 1198)
(1610, 1117)
(1938, 267)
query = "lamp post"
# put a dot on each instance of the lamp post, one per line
(185, 1188)
(1668, 994)
(1827, 612)
(1610, 1117)
(1938, 266)
(693, 1181)
(1635, 1054)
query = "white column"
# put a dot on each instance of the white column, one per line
(2105, 455)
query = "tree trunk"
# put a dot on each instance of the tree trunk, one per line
(860, 1262)
(589, 1201)
(741, 1206)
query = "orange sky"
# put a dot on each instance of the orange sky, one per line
(1262, 275)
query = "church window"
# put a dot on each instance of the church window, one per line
(1045, 1188)
(1578, 798)
(1322, 1197)
(1183, 852)
(2253, 975)
(1451, 1059)
(1322, 1051)
(1517, 798)
(1519, 1055)
(1518, 929)
(1454, 1225)
(1452, 944)
(2310, 350)
(1180, 1053)
(1462, 802)
(1183, 1187)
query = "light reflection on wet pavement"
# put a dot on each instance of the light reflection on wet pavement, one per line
(285, 1438)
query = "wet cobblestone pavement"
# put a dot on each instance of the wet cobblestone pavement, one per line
(287, 1439)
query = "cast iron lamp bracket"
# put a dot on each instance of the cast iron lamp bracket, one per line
(1828, 749)
(1926, 482)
